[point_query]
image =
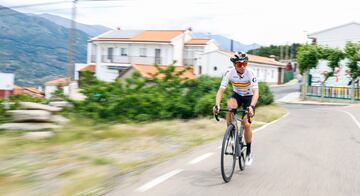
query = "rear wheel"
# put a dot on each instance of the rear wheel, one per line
(228, 156)
(242, 161)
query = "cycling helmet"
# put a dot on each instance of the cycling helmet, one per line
(239, 57)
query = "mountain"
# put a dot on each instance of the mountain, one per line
(92, 30)
(34, 48)
(225, 43)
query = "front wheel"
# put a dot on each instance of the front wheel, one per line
(242, 156)
(228, 156)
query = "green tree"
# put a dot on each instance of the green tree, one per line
(333, 56)
(352, 53)
(276, 50)
(307, 58)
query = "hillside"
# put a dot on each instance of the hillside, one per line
(92, 30)
(34, 48)
(224, 42)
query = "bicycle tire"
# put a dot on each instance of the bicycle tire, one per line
(242, 161)
(242, 156)
(226, 139)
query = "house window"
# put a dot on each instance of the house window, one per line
(157, 56)
(199, 69)
(272, 73)
(124, 52)
(143, 52)
(215, 68)
(110, 54)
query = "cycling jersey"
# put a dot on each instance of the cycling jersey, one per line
(242, 84)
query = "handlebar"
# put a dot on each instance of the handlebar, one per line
(244, 112)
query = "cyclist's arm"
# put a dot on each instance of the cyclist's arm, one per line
(255, 96)
(219, 95)
(223, 85)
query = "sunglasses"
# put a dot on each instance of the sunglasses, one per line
(241, 64)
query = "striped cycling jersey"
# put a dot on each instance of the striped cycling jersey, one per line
(242, 84)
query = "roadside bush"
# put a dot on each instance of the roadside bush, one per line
(2, 111)
(163, 96)
(266, 97)
(26, 98)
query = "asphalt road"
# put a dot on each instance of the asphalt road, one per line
(312, 151)
(280, 92)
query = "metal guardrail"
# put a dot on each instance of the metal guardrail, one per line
(332, 92)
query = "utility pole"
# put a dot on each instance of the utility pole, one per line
(72, 41)
(287, 51)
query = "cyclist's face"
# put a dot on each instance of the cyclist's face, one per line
(240, 66)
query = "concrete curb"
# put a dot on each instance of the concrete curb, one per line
(314, 103)
(294, 98)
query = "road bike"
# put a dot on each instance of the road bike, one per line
(233, 145)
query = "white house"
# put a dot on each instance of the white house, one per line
(215, 63)
(53, 85)
(6, 84)
(114, 52)
(111, 55)
(336, 37)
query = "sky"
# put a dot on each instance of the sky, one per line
(253, 21)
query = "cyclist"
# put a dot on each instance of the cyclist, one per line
(245, 94)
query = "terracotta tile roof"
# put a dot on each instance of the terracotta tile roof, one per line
(112, 39)
(147, 36)
(34, 90)
(57, 82)
(147, 70)
(90, 67)
(17, 87)
(27, 90)
(197, 41)
(258, 59)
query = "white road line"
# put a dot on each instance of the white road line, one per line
(263, 127)
(158, 180)
(200, 158)
(353, 117)
(164, 177)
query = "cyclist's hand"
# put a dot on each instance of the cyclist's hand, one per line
(251, 111)
(216, 109)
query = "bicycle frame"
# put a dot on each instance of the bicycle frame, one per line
(239, 132)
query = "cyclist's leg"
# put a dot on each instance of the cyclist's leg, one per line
(246, 101)
(232, 103)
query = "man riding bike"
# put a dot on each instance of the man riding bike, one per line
(245, 94)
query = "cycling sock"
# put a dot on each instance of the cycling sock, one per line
(248, 148)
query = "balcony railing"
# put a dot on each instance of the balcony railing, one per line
(189, 61)
(119, 59)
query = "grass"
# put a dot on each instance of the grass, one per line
(84, 156)
(269, 113)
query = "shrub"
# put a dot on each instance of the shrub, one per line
(139, 99)
(266, 97)
(2, 111)
(26, 98)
